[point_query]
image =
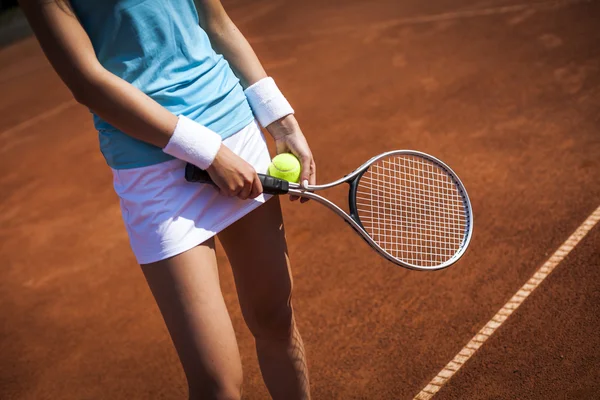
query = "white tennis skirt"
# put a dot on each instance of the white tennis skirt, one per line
(165, 215)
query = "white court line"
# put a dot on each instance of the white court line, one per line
(497, 320)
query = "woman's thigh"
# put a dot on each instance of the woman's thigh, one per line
(257, 250)
(186, 289)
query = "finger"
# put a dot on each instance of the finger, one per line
(235, 188)
(246, 189)
(234, 192)
(302, 163)
(229, 192)
(306, 161)
(257, 188)
(224, 189)
(312, 179)
(303, 185)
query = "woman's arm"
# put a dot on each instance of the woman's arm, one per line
(69, 50)
(227, 39)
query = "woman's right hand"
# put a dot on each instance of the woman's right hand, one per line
(234, 176)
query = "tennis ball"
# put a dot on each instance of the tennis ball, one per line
(285, 166)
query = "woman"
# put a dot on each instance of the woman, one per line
(161, 96)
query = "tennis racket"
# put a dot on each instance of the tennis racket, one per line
(407, 205)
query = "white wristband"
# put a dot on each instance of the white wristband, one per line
(267, 102)
(194, 143)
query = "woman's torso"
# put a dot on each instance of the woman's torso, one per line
(159, 47)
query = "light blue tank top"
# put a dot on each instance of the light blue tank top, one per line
(159, 47)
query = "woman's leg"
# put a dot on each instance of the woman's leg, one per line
(257, 251)
(186, 289)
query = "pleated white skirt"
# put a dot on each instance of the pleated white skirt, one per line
(165, 215)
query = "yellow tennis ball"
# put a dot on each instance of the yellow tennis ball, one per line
(286, 166)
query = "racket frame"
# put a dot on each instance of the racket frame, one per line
(352, 218)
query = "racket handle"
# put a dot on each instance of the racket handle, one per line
(270, 184)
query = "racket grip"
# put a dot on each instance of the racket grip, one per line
(195, 174)
(270, 184)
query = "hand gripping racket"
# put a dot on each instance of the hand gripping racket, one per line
(407, 205)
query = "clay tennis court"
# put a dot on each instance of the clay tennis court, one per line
(506, 93)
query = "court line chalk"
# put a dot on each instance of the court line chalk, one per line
(497, 320)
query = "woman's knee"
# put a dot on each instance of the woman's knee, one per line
(273, 322)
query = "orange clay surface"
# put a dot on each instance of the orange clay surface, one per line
(506, 93)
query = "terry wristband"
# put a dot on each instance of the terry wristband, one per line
(194, 143)
(267, 102)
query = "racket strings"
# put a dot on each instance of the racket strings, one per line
(413, 209)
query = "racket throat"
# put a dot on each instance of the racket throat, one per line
(352, 194)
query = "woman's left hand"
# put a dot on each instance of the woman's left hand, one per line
(290, 139)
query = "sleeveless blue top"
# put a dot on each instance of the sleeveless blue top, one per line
(159, 47)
